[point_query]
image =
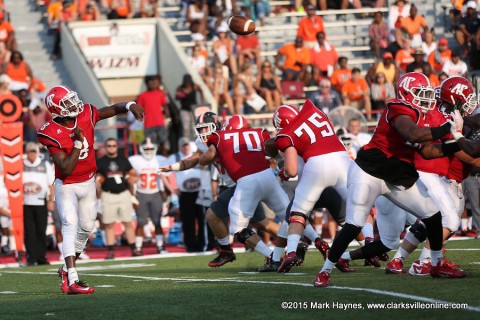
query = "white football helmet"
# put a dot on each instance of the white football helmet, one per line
(148, 149)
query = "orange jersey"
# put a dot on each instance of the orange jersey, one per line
(17, 73)
(339, 77)
(403, 58)
(308, 29)
(444, 56)
(294, 55)
(413, 25)
(355, 90)
(5, 29)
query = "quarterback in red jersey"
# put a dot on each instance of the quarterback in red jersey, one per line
(69, 138)
(310, 135)
(241, 153)
(385, 167)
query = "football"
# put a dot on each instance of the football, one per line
(241, 25)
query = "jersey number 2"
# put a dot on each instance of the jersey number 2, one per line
(314, 120)
(84, 151)
(247, 136)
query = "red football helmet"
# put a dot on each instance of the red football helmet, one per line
(458, 92)
(63, 102)
(236, 122)
(284, 115)
(415, 88)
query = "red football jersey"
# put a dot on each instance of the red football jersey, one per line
(458, 170)
(311, 133)
(434, 118)
(58, 138)
(241, 151)
(387, 139)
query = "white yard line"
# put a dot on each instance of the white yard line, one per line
(223, 280)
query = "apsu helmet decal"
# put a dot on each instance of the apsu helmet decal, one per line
(415, 88)
(284, 115)
(61, 101)
(459, 93)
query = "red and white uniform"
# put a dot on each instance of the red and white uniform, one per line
(326, 161)
(74, 194)
(385, 167)
(241, 153)
(457, 172)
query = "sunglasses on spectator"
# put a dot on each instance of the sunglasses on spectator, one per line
(111, 145)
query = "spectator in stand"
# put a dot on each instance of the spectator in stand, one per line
(243, 87)
(187, 95)
(378, 32)
(198, 61)
(325, 98)
(457, 11)
(356, 94)
(19, 72)
(311, 77)
(358, 4)
(468, 25)
(248, 49)
(218, 84)
(38, 116)
(323, 55)
(268, 85)
(382, 92)
(257, 9)
(118, 9)
(38, 177)
(397, 44)
(455, 66)
(396, 12)
(429, 44)
(115, 177)
(333, 4)
(417, 64)
(413, 24)
(441, 55)
(148, 9)
(432, 76)
(5, 84)
(67, 14)
(474, 53)
(223, 49)
(5, 55)
(387, 67)
(404, 56)
(199, 40)
(53, 14)
(154, 101)
(7, 33)
(90, 13)
(197, 15)
(442, 76)
(341, 74)
(296, 58)
(309, 27)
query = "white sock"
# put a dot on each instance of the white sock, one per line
(104, 237)
(224, 241)
(464, 224)
(319, 229)
(277, 253)
(64, 267)
(72, 276)
(263, 249)
(12, 243)
(425, 255)
(60, 248)
(436, 257)
(138, 242)
(4, 240)
(292, 242)
(346, 256)
(159, 239)
(328, 266)
(367, 231)
(361, 242)
(401, 253)
(310, 233)
(469, 223)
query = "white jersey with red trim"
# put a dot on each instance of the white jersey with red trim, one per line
(148, 180)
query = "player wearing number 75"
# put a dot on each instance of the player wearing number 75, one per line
(309, 134)
(69, 138)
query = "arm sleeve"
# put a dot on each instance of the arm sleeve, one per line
(395, 110)
(52, 146)
(214, 140)
(283, 142)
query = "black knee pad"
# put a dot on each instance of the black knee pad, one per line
(243, 235)
(373, 249)
(419, 231)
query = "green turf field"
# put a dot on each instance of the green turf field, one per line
(185, 288)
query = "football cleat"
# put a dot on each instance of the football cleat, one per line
(63, 279)
(383, 257)
(323, 247)
(225, 256)
(302, 249)
(110, 256)
(269, 266)
(84, 256)
(6, 250)
(343, 265)
(419, 268)
(80, 287)
(322, 280)
(137, 253)
(445, 269)
(374, 262)
(395, 266)
(288, 262)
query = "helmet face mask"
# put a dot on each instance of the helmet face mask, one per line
(148, 150)
(415, 89)
(457, 93)
(63, 102)
(207, 123)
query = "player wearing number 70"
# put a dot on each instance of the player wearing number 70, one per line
(311, 135)
(69, 138)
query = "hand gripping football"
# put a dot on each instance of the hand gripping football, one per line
(241, 25)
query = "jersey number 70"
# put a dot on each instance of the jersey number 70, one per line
(314, 120)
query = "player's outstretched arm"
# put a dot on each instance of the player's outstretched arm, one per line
(208, 156)
(120, 108)
(185, 164)
(409, 130)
